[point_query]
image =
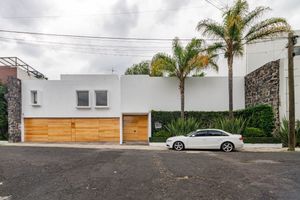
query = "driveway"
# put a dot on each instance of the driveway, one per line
(35, 173)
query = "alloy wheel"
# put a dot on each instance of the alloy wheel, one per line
(178, 146)
(227, 147)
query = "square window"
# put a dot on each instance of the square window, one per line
(83, 99)
(101, 98)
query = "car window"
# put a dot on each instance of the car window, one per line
(216, 133)
(201, 134)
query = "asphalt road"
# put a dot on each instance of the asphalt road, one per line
(29, 173)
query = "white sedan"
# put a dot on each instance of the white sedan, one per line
(206, 139)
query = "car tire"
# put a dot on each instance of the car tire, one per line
(178, 146)
(227, 147)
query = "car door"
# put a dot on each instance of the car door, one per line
(215, 138)
(197, 140)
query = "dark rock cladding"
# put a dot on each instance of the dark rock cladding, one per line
(13, 97)
(262, 87)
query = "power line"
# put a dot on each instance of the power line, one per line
(103, 13)
(211, 3)
(94, 37)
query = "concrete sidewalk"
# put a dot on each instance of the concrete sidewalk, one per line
(151, 146)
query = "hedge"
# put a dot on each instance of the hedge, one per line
(251, 140)
(260, 116)
(268, 140)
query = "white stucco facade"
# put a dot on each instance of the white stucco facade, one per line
(128, 94)
(144, 93)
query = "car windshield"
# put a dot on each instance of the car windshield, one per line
(191, 133)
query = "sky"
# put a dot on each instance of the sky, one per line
(164, 19)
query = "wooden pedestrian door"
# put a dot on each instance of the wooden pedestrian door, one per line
(135, 128)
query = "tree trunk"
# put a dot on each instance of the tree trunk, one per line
(230, 84)
(181, 88)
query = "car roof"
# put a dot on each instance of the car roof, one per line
(212, 129)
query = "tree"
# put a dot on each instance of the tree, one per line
(140, 68)
(185, 61)
(240, 27)
(3, 113)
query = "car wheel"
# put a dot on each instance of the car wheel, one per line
(227, 147)
(178, 146)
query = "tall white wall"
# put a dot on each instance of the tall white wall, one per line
(260, 53)
(284, 87)
(143, 93)
(59, 97)
(129, 94)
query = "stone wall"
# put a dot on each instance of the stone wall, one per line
(262, 87)
(14, 109)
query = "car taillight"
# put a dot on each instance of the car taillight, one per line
(241, 138)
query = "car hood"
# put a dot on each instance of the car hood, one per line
(177, 137)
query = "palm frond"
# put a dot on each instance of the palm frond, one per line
(178, 50)
(162, 62)
(254, 14)
(211, 28)
(267, 28)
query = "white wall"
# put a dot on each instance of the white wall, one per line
(284, 87)
(131, 94)
(260, 53)
(59, 97)
(143, 93)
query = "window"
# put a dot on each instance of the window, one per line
(201, 134)
(216, 133)
(101, 98)
(83, 98)
(35, 98)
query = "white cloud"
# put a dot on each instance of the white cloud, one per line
(118, 18)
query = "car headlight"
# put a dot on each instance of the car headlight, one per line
(169, 140)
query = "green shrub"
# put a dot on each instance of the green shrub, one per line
(157, 139)
(3, 114)
(283, 133)
(182, 126)
(253, 132)
(260, 116)
(234, 126)
(266, 140)
(163, 134)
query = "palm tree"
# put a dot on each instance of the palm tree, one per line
(240, 27)
(185, 61)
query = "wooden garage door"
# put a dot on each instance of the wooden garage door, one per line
(72, 130)
(135, 128)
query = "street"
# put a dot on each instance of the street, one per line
(39, 173)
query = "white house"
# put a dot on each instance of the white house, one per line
(112, 108)
(79, 108)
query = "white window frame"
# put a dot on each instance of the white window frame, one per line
(38, 98)
(89, 95)
(95, 99)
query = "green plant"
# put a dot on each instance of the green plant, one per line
(182, 126)
(163, 133)
(3, 114)
(260, 116)
(240, 26)
(253, 132)
(184, 62)
(140, 68)
(267, 140)
(231, 125)
(157, 139)
(283, 133)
